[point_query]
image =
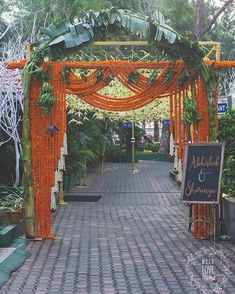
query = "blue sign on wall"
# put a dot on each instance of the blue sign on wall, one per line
(222, 107)
(166, 122)
(126, 125)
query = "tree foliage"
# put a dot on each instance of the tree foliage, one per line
(226, 135)
(37, 14)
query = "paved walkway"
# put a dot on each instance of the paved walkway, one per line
(133, 240)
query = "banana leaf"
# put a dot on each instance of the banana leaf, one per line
(74, 35)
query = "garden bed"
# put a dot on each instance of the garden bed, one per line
(10, 232)
(14, 257)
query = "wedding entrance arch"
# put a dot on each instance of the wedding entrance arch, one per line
(187, 79)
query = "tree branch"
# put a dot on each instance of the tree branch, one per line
(4, 33)
(207, 28)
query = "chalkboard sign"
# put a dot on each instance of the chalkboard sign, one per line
(202, 173)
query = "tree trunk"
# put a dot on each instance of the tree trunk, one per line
(200, 21)
(164, 142)
(27, 161)
(156, 132)
(201, 27)
(144, 124)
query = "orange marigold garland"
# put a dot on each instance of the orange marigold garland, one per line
(48, 151)
(144, 92)
(180, 147)
(171, 153)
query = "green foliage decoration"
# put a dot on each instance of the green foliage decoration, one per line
(153, 77)
(168, 76)
(190, 111)
(65, 74)
(133, 77)
(46, 100)
(40, 74)
(99, 76)
(62, 39)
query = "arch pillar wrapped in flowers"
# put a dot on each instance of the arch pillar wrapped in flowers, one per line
(48, 150)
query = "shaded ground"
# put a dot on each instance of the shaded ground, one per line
(133, 240)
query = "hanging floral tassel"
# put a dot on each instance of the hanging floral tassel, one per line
(59, 176)
(176, 160)
(180, 172)
(53, 200)
(65, 152)
(61, 162)
(57, 179)
(171, 154)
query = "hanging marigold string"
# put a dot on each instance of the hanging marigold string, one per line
(171, 151)
(144, 92)
(47, 149)
(171, 113)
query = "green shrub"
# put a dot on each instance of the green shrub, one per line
(116, 152)
(226, 134)
(152, 146)
(229, 176)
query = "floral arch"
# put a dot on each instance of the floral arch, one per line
(46, 84)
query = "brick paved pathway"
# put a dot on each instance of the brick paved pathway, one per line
(133, 240)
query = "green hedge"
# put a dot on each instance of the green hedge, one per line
(70, 181)
(153, 156)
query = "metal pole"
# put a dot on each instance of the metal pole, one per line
(133, 145)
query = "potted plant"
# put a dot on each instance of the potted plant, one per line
(11, 202)
(227, 135)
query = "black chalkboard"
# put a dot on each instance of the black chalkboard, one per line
(202, 173)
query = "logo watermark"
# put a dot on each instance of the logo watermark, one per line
(208, 270)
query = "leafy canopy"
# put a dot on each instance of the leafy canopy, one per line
(63, 38)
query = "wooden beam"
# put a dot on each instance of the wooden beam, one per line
(120, 43)
(140, 43)
(208, 43)
(215, 49)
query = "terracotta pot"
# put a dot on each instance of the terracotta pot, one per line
(15, 216)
